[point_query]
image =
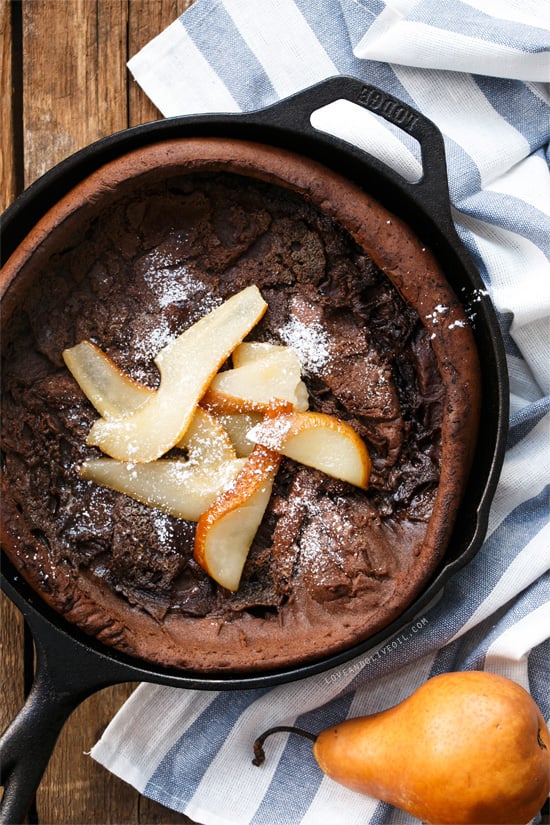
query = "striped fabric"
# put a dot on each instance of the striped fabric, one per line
(480, 70)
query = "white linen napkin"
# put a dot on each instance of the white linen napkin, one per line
(480, 70)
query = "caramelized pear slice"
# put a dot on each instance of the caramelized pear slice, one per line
(179, 488)
(187, 365)
(111, 391)
(316, 440)
(237, 427)
(207, 441)
(261, 374)
(226, 531)
(250, 351)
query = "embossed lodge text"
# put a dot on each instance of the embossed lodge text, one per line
(392, 109)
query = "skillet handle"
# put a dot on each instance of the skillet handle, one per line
(430, 193)
(27, 744)
(67, 671)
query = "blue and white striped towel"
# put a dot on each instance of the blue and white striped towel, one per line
(480, 70)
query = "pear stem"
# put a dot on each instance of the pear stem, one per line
(259, 753)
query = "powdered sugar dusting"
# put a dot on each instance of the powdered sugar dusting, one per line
(91, 517)
(171, 282)
(271, 433)
(310, 342)
(164, 527)
(435, 316)
(324, 539)
(325, 528)
(153, 338)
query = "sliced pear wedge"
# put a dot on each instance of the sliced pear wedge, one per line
(226, 531)
(317, 440)
(248, 417)
(207, 441)
(237, 427)
(111, 391)
(262, 373)
(250, 351)
(179, 488)
(187, 365)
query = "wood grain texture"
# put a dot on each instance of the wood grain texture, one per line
(11, 661)
(8, 162)
(64, 85)
(74, 77)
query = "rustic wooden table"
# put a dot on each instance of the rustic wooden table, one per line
(64, 85)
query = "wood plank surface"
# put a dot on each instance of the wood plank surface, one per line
(64, 85)
(8, 164)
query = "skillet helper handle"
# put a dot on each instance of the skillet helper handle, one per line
(431, 192)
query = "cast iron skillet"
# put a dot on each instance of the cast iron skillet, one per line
(69, 665)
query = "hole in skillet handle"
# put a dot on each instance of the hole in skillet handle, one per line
(370, 132)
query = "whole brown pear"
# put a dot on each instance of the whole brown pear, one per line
(468, 747)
